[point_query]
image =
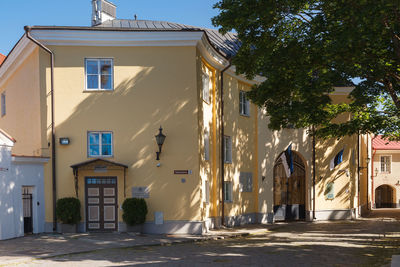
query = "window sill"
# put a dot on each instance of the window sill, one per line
(227, 162)
(228, 201)
(245, 115)
(99, 157)
(98, 91)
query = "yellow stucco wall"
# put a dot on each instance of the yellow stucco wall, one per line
(22, 119)
(243, 132)
(153, 86)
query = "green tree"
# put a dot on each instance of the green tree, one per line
(304, 48)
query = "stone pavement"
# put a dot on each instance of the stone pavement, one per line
(369, 241)
(25, 249)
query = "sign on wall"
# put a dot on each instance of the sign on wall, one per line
(140, 192)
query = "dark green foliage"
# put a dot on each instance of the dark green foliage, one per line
(306, 47)
(135, 211)
(68, 210)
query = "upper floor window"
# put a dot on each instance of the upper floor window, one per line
(99, 74)
(244, 104)
(385, 164)
(100, 144)
(227, 149)
(3, 104)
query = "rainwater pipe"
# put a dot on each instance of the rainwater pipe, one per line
(53, 132)
(372, 171)
(314, 170)
(222, 144)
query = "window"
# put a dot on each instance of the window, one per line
(246, 182)
(385, 164)
(99, 74)
(100, 144)
(206, 87)
(244, 104)
(228, 191)
(3, 104)
(227, 149)
(207, 192)
(206, 145)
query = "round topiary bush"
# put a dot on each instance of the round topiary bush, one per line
(68, 210)
(135, 211)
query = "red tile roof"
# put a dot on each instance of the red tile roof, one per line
(383, 144)
(2, 57)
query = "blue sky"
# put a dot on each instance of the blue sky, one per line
(15, 14)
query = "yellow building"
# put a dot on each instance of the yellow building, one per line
(93, 98)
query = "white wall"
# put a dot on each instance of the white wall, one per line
(16, 172)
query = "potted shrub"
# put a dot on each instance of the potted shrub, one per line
(134, 213)
(68, 212)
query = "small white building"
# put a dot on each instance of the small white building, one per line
(385, 173)
(22, 207)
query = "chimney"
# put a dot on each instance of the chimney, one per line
(102, 10)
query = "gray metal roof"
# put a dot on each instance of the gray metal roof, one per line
(228, 44)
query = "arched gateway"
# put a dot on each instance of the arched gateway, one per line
(385, 197)
(289, 193)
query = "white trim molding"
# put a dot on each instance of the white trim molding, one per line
(17, 56)
(28, 159)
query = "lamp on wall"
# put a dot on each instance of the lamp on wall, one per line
(160, 137)
(367, 160)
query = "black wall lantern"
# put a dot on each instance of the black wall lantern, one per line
(160, 141)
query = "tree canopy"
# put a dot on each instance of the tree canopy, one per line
(304, 48)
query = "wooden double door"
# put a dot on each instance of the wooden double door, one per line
(101, 203)
(289, 192)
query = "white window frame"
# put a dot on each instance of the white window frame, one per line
(206, 87)
(227, 149)
(99, 75)
(388, 167)
(100, 144)
(206, 145)
(3, 104)
(228, 195)
(244, 104)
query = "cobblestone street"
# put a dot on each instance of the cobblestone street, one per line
(366, 242)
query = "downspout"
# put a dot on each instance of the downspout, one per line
(53, 132)
(358, 173)
(222, 144)
(314, 169)
(367, 175)
(372, 172)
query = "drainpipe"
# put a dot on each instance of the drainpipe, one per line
(358, 173)
(367, 175)
(222, 144)
(372, 172)
(314, 169)
(53, 132)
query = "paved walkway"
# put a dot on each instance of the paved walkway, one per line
(25, 249)
(367, 242)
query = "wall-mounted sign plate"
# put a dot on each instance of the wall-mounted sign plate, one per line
(182, 171)
(140, 192)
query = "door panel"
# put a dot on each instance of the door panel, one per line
(101, 204)
(289, 193)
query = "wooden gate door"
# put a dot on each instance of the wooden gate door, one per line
(101, 204)
(289, 193)
(27, 209)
